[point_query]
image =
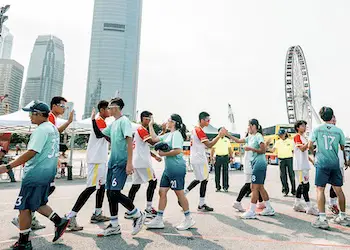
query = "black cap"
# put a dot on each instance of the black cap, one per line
(39, 107)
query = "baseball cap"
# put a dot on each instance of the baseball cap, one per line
(39, 107)
(281, 131)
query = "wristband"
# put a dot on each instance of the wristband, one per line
(8, 167)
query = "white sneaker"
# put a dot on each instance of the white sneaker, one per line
(15, 222)
(312, 210)
(138, 223)
(36, 224)
(298, 207)
(73, 225)
(237, 205)
(268, 212)
(320, 224)
(344, 222)
(109, 230)
(156, 223)
(186, 224)
(249, 214)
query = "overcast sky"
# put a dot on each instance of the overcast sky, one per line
(201, 54)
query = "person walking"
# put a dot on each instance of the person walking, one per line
(284, 147)
(223, 155)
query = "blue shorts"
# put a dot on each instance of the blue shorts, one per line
(116, 178)
(175, 181)
(258, 176)
(328, 175)
(32, 197)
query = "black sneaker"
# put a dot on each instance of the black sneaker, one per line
(205, 208)
(218, 190)
(22, 246)
(60, 229)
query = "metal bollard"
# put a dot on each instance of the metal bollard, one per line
(70, 173)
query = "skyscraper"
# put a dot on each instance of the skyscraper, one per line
(6, 41)
(11, 77)
(114, 53)
(46, 70)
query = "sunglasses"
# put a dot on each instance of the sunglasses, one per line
(61, 105)
(34, 113)
(147, 118)
(113, 106)
(207, 119)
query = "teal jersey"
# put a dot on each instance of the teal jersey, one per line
(175, 141)
(42, 168)
(327, 138)
(257, 160)
(118, 131)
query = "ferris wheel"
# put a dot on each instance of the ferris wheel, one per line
(297, 87)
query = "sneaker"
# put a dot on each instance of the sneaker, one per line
(99, 218)
(320, 224)
(109, 230)
(138, 223)
(248, 215)
(205, 208)
(312, 210)
(60, 229)
(73, 225)
(260, 205)
(298, 207)
(237, 205)
(22, 246)
(226, 190)
(218, 190)
(268, 212)
(15, 222)
(186, 224)
(150, 213)
(344, 222)
(156, 223)
(334, 208)
(36, 224)
(128, 216)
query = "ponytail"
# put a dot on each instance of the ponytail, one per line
(179, 125)
(260, 130)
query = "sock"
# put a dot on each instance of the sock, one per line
(342, 215)
(114, 221)
(135, 213)
(268, 204)
(322, 216)
(187, 213)
(160, 213)
(252, 207)
(72, 214)
(98, 211)
(201, 201)
(187, 191)
(297, 200)
(333, 201)
(55, 218)
(24, 236)
(149, 205)
(308, 204)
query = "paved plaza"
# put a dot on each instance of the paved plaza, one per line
(221, 229)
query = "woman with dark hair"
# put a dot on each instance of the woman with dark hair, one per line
(174, 173)
(257, 146)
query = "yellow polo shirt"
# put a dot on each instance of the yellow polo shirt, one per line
(284, 148)
(222, 147)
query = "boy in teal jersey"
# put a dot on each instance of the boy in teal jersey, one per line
(328, 138)
(119, 167)
(39, 171)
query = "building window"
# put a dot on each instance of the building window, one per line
(114, 27)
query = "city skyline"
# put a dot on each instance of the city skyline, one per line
(45, 73)
(11, 78)
(114, 54)
(194, 59)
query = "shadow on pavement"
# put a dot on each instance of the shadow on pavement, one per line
(115, 241)
(195, 241)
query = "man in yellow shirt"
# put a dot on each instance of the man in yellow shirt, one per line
(284, 147)
(223, 152)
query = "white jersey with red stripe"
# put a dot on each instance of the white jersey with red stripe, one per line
(198, 148)
(142, 152)
(97, 149)
(53, 119)
(300, 159)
